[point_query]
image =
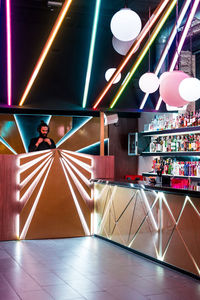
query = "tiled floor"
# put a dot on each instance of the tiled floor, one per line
(86, 268)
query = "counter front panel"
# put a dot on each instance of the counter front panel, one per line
(160, 224)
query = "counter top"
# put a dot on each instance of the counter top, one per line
(192, 190)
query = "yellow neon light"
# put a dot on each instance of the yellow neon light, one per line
(46, 48)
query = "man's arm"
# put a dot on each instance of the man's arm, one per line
(32, 147)
(34, 143)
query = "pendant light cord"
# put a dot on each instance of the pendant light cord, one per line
(126, 3)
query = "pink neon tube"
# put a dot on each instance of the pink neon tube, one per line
(8, 35)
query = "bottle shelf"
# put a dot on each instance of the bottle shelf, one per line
(177, 131)
(148, 174)
(171, 154)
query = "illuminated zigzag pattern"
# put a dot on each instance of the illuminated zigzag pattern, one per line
(155, 223)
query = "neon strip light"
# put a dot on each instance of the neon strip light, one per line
(88, 156)
(181, 42)
(31, 163)
(144, 51)
(7, 145)
(80, 163)
(169, 43)
(135, 45)
(92, 145)
(135, 235)
(72, 131)
(176, 223)
(31, 188)
(149, 210)
(83, 222)
(91, 54)
(17, 226)
(8, 35)
(46, 48)
(107, 208)
(85, 179)
(29, 219)
(20, 132)
(32, 154)
(79, 186)
(28, 178)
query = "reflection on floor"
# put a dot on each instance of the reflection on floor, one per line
(86, 268)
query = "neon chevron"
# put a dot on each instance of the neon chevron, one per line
(34, 161)
(91, 54)
(31, 188)
(71, 132)
(7, 145)
(92, 145)
(79, 186)
(80, 163)
(169, 43)
(85, 179)
(46, 48)
(28, 222)
(28, 178)
(8, 36)
(144, 50)
(136, 44)
(80, 213)
(181, 41)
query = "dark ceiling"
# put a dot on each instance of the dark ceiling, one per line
(60, 82)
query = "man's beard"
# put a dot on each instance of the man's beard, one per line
(43, 135)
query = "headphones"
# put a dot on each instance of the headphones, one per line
(42, 124)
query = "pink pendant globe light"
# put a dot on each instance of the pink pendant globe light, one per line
(169, 88)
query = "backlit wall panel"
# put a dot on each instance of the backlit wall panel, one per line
(77, 132)
(10, 133)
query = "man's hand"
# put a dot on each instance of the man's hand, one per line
(47, 140)
(39, 141)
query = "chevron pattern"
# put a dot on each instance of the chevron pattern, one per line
(161, 225)
(41, 176)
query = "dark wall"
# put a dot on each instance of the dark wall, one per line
(118, 146)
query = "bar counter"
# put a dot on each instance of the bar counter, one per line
(192, 190)
(156, 221)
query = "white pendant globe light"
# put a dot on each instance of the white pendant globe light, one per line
(109, 74)
(122, 47)
(126, 25)
(149, 82)
(189, 89)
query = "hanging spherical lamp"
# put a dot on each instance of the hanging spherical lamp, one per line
(125, 25)
(149, 82)
(189, 89)
(109, 74)
(169, 88)
(122, 47)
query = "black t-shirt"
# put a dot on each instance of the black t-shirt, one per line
(42, 146)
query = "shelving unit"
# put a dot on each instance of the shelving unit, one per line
(171, 154)
(148, 174)
(144, 140)
(177, 131)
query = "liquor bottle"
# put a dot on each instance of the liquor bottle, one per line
(164, 144)
(194, 144)
(199, 118)
(173, 144)
(169, 144)
(198, 169)
(182, 143)
(152, 147)
(197, 143)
